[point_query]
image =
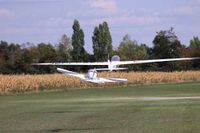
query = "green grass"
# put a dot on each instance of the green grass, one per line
(100, 110)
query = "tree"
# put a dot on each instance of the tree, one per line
(4, 50)
(14, 61)
(47, 53)
(3, 57)
(10, 58)
(195, 42)
(167, 45)
(188, 52)
(78, 52)
(195, 48)
(102, 42)
(130, 50)
(64, 49)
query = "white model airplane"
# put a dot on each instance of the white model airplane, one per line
(91, 76)
(114, 63)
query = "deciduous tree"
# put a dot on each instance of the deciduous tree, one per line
(130, 50)
(167, 45)
(64, 49)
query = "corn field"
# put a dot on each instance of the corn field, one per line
(24, 83)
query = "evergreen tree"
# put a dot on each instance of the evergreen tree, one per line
(96, 47)
(78, 52)
(102, 42)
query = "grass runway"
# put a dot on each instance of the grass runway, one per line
(162, 108)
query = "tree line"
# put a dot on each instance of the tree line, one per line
(17, 58)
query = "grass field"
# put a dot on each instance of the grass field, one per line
(122, 109)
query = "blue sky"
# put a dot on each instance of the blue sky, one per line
(47, 20)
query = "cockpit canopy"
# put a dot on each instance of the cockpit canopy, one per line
(115, 58)
(92, 74)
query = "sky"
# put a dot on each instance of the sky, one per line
(38, 21)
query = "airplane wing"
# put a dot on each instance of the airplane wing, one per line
(114, 63)
(70, 73)
(106, 80)
(73, 64)
(152, 61)
(118, 80)
(92, 80)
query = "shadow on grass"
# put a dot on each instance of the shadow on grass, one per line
(76, 129)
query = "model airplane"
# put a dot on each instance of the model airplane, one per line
(91, 76)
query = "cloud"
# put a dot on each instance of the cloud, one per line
(108, 5)
(130, 19)
(26, 31)
(187, 10)
(4, 13)
(59, 21)
(123, 19)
